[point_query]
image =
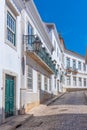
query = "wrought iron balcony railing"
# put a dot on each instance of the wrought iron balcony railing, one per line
(68, 69)
(71, 69)
(75, 70)
(33, 44)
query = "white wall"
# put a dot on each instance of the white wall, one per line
(10, 59)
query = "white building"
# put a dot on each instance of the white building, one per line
(35, 64)
(10, 59)
(76, 69)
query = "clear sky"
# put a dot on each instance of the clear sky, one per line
(70, 17)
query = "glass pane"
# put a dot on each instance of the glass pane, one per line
(11, 28)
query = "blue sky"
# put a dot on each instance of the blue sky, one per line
(70, 17)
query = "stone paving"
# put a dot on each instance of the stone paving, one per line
(69, 112)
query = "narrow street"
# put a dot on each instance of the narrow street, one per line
(67, 113)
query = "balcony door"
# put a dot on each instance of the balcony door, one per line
(30, 34)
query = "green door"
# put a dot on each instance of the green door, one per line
(9, 96)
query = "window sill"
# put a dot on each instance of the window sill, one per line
(11, 45)
(30, 90)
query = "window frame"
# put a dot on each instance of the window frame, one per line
(68, 80)
(80, 81)
(39, 81)
(84, 67)
(30, 32)
(74, 64)
(45, 83)
(74, 81)
(50, 86)
(55, 82)
(85, 82)
(67, 62)
(79, 65)
(29, 78)
(57, 52)
(9, 13)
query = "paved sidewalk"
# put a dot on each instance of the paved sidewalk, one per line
(15, 121)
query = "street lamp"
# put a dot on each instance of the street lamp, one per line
(37, 44)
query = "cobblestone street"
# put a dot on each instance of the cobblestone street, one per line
(69, 112)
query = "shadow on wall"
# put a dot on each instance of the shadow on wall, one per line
(44, 96)
(0, 116)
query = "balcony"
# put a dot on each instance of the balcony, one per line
(68, 69)
(33, 47)
(73, 70)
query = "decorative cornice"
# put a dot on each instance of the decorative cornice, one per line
(12, 5)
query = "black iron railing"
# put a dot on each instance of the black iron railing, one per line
(33, 43)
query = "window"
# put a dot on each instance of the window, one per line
(30, 29)
(68, 62)
(30, 33)
(11, 29)
(63, 58)
(85, 82)
(50, 85)
(79, 65)
(84, 67)
(55, 45)
(29, 78)
(39, 81)
(80, 82)
(46, 83)
(74, 81)
(49, 29)
(74, 64)
(57, 85)
(68, 80)
(55, 82)
(57, 52)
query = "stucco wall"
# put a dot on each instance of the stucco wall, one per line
(10, 58)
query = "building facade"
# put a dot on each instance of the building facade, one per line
(76, 71)
(34, 62)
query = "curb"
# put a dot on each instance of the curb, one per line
(54, 99)
(15, 123)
